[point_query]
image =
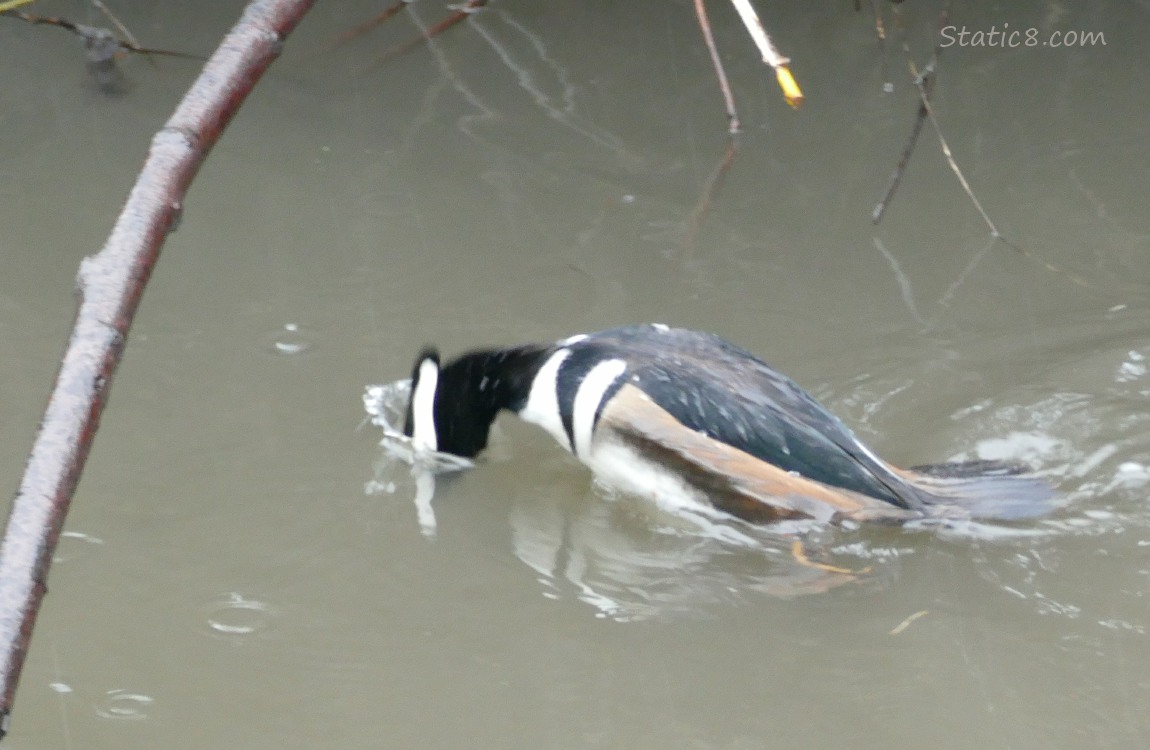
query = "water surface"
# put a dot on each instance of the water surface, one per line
(226, 579)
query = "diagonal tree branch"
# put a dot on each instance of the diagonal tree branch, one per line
(110, 285)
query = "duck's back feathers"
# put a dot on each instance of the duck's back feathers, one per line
(729, 479)
(715, 388)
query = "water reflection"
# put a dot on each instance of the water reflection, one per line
(627, 559)
(633, 562)
(385, 406)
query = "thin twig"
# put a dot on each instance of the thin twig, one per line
(716, 61)
(924, 95)
(904, 159)
(116, 22)
(906, 623)
(460, 13)
(110, 285)
(799, 552)
(771, 56)
(371, 23)
(926, 84)
(880, 37)
(876, 11)
(95, 36)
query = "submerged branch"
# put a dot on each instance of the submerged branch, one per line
(110, 285)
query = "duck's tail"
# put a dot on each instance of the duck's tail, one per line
(982, 489)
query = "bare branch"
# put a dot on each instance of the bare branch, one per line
(716, 61)
(110, 286)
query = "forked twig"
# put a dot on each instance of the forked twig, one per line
(924, 82)
(102, 43)
(924, 95)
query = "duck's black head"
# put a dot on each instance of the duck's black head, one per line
(453, 405)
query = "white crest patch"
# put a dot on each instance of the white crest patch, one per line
(587, 401)
(543, 402)
(423, 436)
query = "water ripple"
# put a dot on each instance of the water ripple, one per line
(74, 545)
(290, 340)
(122, 705)
(236, 616)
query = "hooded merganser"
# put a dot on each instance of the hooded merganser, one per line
(685, 417)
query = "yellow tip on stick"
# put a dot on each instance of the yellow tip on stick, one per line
(12, 4)
(771, 56)
(791, 90)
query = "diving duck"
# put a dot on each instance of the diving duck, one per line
(688, 419)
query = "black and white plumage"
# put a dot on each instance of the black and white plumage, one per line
(687, 417)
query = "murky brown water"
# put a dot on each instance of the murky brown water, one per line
(226, 581)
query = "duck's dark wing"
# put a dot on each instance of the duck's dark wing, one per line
(715, 388)
(732, 480)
